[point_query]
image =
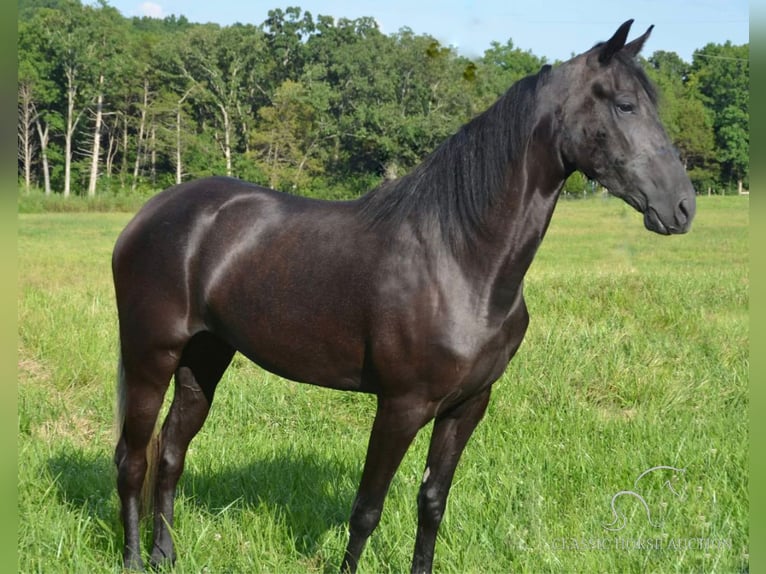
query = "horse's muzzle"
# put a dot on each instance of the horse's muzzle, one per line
(681, 218)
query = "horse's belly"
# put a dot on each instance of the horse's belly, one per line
(323, 351)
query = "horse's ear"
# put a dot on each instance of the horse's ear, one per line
(636, 45)
(615, 43)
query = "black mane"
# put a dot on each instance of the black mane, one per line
(454, 187)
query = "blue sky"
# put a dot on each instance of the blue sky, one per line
(552, 28)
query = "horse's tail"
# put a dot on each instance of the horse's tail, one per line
(152, 448)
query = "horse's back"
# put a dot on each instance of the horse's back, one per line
(179, 207)
(216, 210)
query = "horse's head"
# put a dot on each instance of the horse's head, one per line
(612, 133)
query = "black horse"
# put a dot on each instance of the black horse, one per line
(413, 292)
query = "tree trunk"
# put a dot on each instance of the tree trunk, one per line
(273, 181)
(68, 152)
(71, 124)
(141, 128)
(226, 138)
(243, 128)
(179, 109)
(125, 143)
(111, 149)
(42, 132)
(153, 138)
(96, 139)
(26, 119)
(179, 168)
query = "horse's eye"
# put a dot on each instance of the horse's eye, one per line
(625, 107)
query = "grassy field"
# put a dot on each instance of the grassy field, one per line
(636, 358)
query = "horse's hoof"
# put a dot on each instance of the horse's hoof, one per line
(159, 561)
(133, 564)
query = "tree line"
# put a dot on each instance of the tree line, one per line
(320, 106)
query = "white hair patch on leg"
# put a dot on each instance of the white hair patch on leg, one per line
(427, 473)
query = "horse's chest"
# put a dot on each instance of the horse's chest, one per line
(493, 345)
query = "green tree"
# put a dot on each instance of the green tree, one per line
(298, 99)
(286, 33)
(136, 91)
(223, 63)
(394, 98)
(109, 35)
(176, 111)
(431, 97)
(687, 120)
(352, 56)
(501, 66)
(37, 92)
(720, 73)
(73, 49)
(287, 142)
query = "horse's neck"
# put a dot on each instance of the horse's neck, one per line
(520, 217)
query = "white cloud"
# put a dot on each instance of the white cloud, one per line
(151, 10)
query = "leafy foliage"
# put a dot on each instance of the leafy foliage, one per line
(721, 76)
(300, 102)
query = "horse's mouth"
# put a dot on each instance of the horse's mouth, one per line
(653, 222)
(637, 201)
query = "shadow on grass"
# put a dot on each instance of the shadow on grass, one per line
(84, 479)
(310, 494)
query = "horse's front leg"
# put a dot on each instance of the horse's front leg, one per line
(396, 424)
(451, 432)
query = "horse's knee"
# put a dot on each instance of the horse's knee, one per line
(364, 519)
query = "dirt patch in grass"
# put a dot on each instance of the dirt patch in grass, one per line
(31, 369)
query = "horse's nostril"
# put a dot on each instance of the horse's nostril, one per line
(682, 213)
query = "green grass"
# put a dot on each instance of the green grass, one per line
(125, 200)
(636, 357)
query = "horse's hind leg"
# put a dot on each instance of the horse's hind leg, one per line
(202, 364)
(450, 434)
(140, 395)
